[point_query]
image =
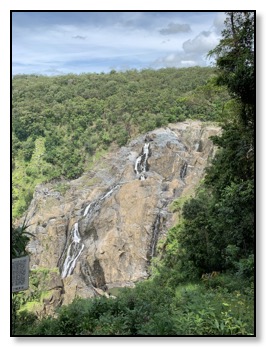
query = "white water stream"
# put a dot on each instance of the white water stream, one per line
(141, 163)
(73, 252)
(75, 242)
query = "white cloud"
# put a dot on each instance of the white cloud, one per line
(188, 62)
(175, 28)
(123, 41)
(179, 59)
(57, 45)
(170, 58)
(218, 22)
(202, 43)
(193, 51)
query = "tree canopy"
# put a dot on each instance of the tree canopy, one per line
(59, 123)
(218, 223)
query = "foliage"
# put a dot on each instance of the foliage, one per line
(221, 216)
(21, 321)
(20, 239)
(235, 60)
(152, 308)
(217, 230)
(59, 123)
(235, 155)
(62, 187)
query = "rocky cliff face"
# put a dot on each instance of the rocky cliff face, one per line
(101, 230)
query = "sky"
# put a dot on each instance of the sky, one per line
(53, 43)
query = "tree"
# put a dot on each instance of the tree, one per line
(235, 61)
(221, 216)
(20, 239)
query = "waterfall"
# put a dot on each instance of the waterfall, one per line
(76, 246)
(137, 164)
(95, 205)
(86, 210)
(109, 192)
(141, 164)
(73, 252)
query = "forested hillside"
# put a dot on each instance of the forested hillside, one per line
(60, 123)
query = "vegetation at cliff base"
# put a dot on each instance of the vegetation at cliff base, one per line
(216, 307)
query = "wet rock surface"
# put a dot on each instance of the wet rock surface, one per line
(114, 214)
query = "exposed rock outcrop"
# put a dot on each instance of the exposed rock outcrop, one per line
(102, 232)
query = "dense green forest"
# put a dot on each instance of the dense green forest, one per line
(60, 124)
(202, 281)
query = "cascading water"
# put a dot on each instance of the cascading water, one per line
(109, 192)
(86, 211)
(141, 164)
(73, 252)
(95, 205)
(76, 246)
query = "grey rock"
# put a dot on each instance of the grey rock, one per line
(120, 229)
